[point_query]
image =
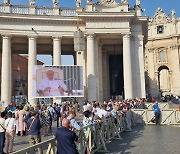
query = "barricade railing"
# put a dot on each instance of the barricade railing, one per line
(162, 106)
(48, 145)
(92, 137)
(167, 117)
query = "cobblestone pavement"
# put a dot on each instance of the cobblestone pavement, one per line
(150, 139)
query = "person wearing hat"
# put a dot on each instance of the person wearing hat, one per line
(50, 86)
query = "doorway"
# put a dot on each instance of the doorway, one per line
(116, 75)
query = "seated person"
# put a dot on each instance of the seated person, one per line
(50, 86)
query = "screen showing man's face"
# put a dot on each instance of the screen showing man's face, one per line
(50, 74)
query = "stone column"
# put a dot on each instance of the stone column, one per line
(57, 51)
(91, 78)
(81, 61)
(176, 69)
(97, 67)
(57, 59)
(141, 66)
(128, 86)
(32, 61)
(6, 70)
(100, 73)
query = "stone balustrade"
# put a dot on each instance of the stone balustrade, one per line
(2, 8)
(68, 12)
(20, 9)
(44, 11)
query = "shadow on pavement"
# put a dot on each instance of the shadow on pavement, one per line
(119, 146)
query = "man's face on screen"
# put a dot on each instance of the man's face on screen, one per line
(50, 74)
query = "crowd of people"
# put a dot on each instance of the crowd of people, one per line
(37, 121)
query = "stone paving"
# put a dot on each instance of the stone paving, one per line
(149, 139)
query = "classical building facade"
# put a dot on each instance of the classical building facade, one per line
(110, 49)
(162, 55)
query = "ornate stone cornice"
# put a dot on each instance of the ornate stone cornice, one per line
(39, 20)
(160, 17)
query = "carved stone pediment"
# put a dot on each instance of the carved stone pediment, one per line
(160, 17)
(108, 3)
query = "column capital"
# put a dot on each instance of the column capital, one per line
(56, 37)
(6, 36)
(91, 36)
(127, 36)
(32, 36)
(140, 37)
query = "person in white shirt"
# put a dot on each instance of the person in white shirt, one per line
(2, 131)
(10, 131)
(85, 107)
(50, 86)
(103, 114)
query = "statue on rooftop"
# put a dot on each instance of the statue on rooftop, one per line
(31, 2)
(173, 13)
(138, 2)
(55, 3)
(78, 3)
(6, 1)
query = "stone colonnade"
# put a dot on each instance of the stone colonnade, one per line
(92, 62)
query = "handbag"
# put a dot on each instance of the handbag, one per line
(3, 127)
(31, 124)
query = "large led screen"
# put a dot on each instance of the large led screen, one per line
(58, 81)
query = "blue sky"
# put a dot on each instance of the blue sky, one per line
(150, 7)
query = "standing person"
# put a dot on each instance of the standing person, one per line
(2, 131)
(17, 119)
(73, 122)
(66, 139)
(21, 115)
(58, 113)
(156, 112)
(10, 132)
(45, 120)
(33, 127)
(51, 111)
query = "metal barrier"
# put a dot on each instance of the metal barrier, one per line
(49, 145)
(92, 137)
(168, 117)
(162, 106)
